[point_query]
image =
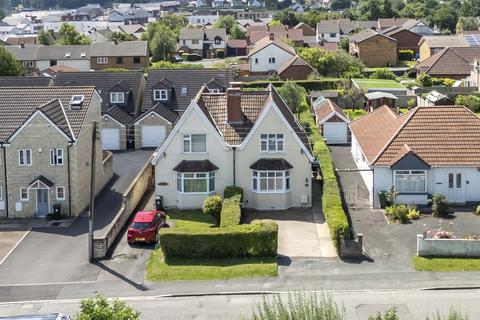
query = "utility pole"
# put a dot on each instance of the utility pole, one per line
(92, 192)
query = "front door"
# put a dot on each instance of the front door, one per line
(42, 202)
(455, 188)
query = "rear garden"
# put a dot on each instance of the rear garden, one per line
(367, 84)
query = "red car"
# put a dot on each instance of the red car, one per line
(145, 226)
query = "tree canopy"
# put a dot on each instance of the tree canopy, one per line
(163, 42)
(293, 95)
(121, 36)
(237, 33)
(331, 63)
(226, 22)
(70, 36)
(287, 17)
(9, 66)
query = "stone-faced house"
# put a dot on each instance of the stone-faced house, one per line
(168, 93)
(374, 49)
(430, 149)
(121, 94)
(248, 139)
(45, 150)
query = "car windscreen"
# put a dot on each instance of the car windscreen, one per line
(141, 225)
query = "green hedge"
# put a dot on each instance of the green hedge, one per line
(257, 239)
(231, 213)
(309, 85)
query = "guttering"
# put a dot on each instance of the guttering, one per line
(5, 173)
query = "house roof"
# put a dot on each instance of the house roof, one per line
(212, 33)
(192, 34)
(294, 61)
(439, 41)
(367, 34)
(265, 42)
(121, 49)
(307, 30)
(327, 26)
(450, 61)
(27, 53)
(384, 23)
(192, 79)
(380, 94)
(18, 104)
(237, 43)
(324, 109)
(163, 111)
(104, 82)
(394, 30)
(25, 81)
(278, 33)
(77, 52)
(119, 115)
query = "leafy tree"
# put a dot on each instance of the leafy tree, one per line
(466, 24)
(340, 4)
(293, 95)
(174, 22)
(44, 38)
(226, 22)
(164, 41)
(170, 65)
(70, 36)
(470, 8)
(388, 11)
(370, 10)
(275, 22)
(446, 18)
(344, 44)
(284, 4)
(2, 14)
(98, 308)
(471, 102)
(331, 63)
(287, 17)
(9, 66)
(121, 36)
(237, 33)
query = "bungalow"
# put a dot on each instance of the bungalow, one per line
(430, 149)
(429, 45)
(248, 139)
(454, 63)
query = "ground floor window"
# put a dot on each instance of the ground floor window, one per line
(271, 181)
(410, 181)
(201, 182)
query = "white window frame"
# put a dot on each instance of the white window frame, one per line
(417, 173)
(56, 193)
(183, 91)
(259, 175)
(115, 97)
(102, 60)
(187, 139)
(214, 90)
(22, 157)
(271, 60)
(56, 157)
(195, 41)
(160, 95)
(218, 41)
(278, 142)
(207, 176)
(21, 194)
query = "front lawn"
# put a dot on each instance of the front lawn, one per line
(208, 269)
(445, 264)
(190, 219)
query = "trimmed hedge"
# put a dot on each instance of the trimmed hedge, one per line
(231, 213)
(260, 238)
(309, 85)
(406, 55)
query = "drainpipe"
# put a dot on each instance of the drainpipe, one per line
(6, 181)
(234, 166)
(69, 181)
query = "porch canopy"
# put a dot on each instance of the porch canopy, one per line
(195, 166)
(271, 164)
(40, 182)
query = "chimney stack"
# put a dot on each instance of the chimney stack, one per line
(22, 45)
(234, 105)
(272, 36)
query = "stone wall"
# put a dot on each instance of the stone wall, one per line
(447, 247)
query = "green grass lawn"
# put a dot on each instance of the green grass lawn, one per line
(445, 264)
(190, 219)
(378, 83)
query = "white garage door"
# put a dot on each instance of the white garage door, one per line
(110, 139)
(335, 132)
(153, 136)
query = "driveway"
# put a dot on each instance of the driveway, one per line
(59, 255)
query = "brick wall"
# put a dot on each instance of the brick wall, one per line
(296, 73)
(114, 62)
(378, 51)
(407, 40)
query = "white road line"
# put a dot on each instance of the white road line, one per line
(15, 246)
(46, 284)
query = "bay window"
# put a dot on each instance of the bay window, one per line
(410, 181)
(194, 143)
(271, 142)
(200, 182)
(271, 181)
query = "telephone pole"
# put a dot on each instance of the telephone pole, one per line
(92, 192)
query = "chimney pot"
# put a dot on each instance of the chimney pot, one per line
(234, 105)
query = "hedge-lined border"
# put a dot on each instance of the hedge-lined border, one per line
(231, 213)
(309, 85)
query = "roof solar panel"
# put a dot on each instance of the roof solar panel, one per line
(473, 40)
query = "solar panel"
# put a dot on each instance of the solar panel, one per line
(473, 40)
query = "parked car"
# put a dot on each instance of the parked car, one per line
(145, 226)
(53, 316)
(177, 58)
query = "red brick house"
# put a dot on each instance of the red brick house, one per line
(406, 39)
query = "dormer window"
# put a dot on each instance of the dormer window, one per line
(68, 54)
(83, 55)
(218, 41)
(183, 91)
(117, 97)
(215, 90)
(160, 95)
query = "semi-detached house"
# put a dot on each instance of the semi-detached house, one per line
(248, 139)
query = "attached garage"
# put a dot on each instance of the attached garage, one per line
(153, 136)
(116, 127)
(331, 121)
(110, 139)
(152, 128)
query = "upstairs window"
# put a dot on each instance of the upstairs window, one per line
(25, 157)
(218, 41)
(195, 41)
(271, 60)
(256, 60)
(56, 157)
(117, 97)
(193, 143)
(271, 142)
(160, 95)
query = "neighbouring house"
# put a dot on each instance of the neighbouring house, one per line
(168, 93)
(419, 153)
(52, 72)
(328, 31)
(429, 45)
(46, 146)
(247, 139)
(237, 47)
(267, 56)
(416, 26)
(406, 39)
(377, 99)
(131, 55)
(203, 20)
(309, 34)
(454, 63)
(331, 121)
(295, 69)
(255, 34)
(333, 95)
(374, 49)
(121, 94)
(202, 41)
(13, 81)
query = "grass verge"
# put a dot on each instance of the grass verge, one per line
(445, 264)
(208, 269)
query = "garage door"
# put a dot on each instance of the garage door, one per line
(153, 136)
(335, 132)
(110, 139)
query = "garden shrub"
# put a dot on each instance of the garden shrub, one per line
(232, 191)
(231, 213)
(260, 238)
(397, 212)
(471, 102)
(390, 314)
(477, 210)
(413, 213)
(406, 55)
(383, 73)
(212, 205)
(220, 53)
(439, 205)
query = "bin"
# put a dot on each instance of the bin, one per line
(382, 198)
(159, 203)
(57, 211)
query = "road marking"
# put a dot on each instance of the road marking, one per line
(46, 284)
(15, 246)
